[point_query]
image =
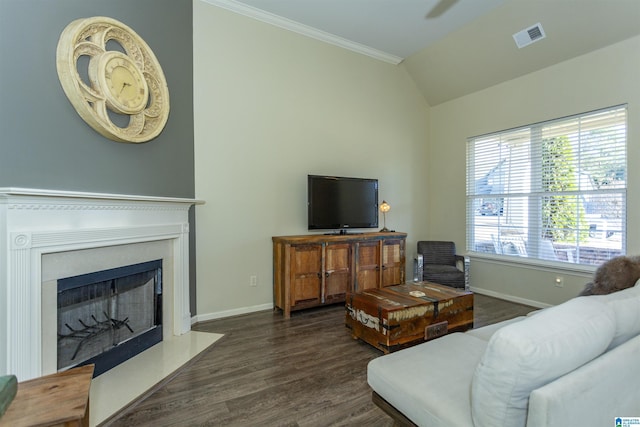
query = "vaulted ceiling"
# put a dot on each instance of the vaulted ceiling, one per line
(454, 47)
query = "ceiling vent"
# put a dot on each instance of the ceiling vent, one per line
(529, 35)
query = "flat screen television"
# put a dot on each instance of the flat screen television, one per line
(341, 203)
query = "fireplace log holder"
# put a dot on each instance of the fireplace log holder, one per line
(89, 332)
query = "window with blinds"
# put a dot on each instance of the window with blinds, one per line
(552, 191)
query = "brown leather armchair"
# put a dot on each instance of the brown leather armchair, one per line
(440, 264)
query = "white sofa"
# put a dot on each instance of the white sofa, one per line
(575, 364)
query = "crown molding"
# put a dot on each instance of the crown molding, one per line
(305, 30)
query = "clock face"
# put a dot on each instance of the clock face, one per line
(127, 91)
(126, 80)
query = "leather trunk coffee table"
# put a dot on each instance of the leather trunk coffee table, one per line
(400, 316)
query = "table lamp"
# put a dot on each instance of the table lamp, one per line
(384, 208)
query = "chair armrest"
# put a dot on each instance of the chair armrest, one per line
(463, 263)
(418, 268)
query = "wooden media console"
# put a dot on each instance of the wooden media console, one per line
(315, 270)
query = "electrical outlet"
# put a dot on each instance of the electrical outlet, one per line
(253, 280)
(559, 282)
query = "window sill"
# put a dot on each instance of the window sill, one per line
(535, 264)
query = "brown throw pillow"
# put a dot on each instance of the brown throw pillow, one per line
(614, 275)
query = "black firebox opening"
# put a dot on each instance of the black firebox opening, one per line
(109, 316)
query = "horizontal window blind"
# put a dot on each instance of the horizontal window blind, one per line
(554, 190)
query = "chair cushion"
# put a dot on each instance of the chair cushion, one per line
(444, 275)
(528, 354)
(437, 269)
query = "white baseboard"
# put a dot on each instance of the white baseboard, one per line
(229, 313)
(269, 306)
(511, 298)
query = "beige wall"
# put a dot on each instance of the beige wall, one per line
(270, 107)
(599, 79)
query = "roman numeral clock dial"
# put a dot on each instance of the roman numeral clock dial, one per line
(127, 91)
(123, 81)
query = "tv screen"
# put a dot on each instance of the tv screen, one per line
(339, 203)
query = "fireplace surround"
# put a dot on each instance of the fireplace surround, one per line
(47, 235)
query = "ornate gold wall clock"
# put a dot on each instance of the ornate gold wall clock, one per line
(123, 78)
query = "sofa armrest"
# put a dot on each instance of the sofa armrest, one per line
(594, 394)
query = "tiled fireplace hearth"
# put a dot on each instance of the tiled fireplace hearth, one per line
(49, 235)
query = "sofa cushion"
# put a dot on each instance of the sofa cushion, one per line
(525, 355)
(430, 383)
(592, 395)
(486, 332)
(626, 307)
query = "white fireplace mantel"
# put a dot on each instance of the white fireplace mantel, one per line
(35, 222)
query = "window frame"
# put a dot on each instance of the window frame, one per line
(524, 253)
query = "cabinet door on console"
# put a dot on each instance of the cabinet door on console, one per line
(367, 265)
(393, 262)
(306, 277)
(337, 271)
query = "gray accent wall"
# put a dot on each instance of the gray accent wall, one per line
(43, 141)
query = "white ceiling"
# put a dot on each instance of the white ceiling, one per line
(397, 27)
(468, 47)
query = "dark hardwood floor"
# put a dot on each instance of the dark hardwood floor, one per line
(267, 371)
